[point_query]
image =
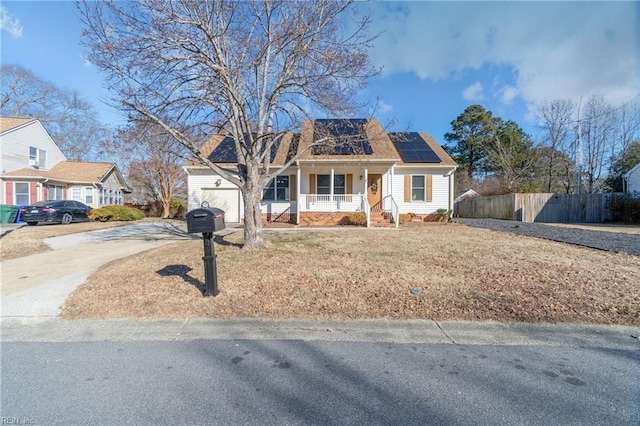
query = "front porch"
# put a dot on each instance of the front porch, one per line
(333, 209)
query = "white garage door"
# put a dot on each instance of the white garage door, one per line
(225, 199)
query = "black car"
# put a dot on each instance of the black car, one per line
(60, 211)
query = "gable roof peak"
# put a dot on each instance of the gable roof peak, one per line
(9, 123)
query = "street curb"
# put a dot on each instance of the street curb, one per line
(51, 329)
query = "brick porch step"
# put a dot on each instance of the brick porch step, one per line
(381, 221)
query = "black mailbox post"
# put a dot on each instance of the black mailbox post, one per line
(207, 220)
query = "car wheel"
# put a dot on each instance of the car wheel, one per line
(66, 218)
(32, 223)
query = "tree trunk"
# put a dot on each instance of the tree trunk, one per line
(166, 208)
(252, 218)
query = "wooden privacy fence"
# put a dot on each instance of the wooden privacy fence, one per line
(558, 208)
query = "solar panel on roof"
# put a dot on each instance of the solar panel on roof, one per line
(412, 148)
(346, 137)
(225, 152)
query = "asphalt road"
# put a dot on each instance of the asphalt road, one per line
(294, 382)
(195, 372)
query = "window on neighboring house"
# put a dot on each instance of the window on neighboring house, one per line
(76, 194)
(37, 157)
(324, 184)
(55, 192)
(22, 193)
(88, 195)
(277, 189)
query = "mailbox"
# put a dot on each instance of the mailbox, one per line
(205, 219)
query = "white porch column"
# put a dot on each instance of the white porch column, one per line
(331, 188)
(451, 190)
(298, 183)
(392, 175)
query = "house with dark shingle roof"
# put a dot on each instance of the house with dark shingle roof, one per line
(32, 169)
(343, 166)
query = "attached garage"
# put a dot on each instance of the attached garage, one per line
(227, 199)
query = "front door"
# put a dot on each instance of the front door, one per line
(374, 192)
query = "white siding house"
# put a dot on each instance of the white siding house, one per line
(631, 180)
(34, 169)
(387, 175)
(25, 144)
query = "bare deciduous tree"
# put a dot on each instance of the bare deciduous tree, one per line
(511, 153)
(598, 133)
(251, 68)
(70, 120)
(555, 118)
(154, 161)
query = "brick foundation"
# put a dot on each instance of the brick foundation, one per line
(321, 219)
(268, 217)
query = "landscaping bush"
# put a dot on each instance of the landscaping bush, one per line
(405, 218)
(357, 219)
(114, 213)
(177, 208)
(627, 208)
(444, 215)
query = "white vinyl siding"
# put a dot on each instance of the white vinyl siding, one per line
(439, 191)
(633, 181)
(16, 143)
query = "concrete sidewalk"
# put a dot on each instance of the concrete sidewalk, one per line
(37, 285)
(411, 331)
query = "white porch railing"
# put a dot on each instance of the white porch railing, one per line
(367, 210)
(332, 203)
(389, 204)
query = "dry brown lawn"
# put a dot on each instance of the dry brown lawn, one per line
(417, 272)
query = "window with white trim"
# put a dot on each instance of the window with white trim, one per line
(323, 184)
(76, 194)
(21, 193)
(55, 192)
(88, 195)
(277, 189)
(418, 188)
(37, 157)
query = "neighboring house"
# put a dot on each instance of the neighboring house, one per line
(34, 169)
(631, 180)
(381, 174)
(466, 195)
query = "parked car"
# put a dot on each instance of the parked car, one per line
(60, 211)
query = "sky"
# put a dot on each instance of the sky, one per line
(437, 58)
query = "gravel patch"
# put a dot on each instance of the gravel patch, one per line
(609, 241)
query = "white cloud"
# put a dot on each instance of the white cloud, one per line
(9, 23)
(556, 49)
(86, 62)
(473, 92)
(383, 107)
(508, 94)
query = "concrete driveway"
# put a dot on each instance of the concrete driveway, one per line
(37, 285)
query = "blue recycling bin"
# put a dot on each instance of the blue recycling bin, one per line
(18, 220)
